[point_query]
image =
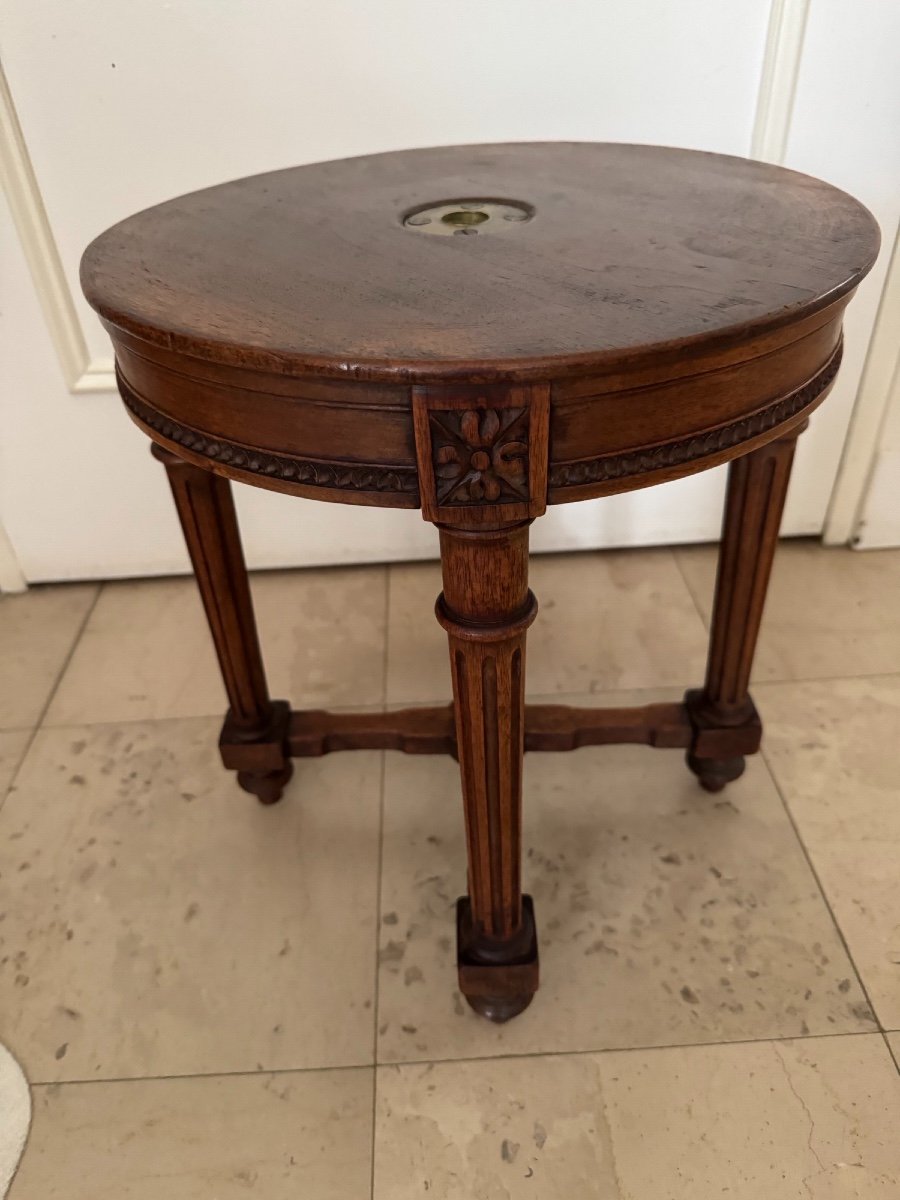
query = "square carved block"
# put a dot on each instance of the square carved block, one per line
(482, 452)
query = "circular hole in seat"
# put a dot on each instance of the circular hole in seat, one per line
(458, 217)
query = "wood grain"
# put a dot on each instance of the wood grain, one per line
(254, 722)
(556, 727)
(631, 250)
(757, 488)
(486, 609)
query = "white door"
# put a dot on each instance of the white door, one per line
(112, 107)
(872, 460)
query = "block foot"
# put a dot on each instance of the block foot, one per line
(715, 773)
(498, 979)
(267, 786)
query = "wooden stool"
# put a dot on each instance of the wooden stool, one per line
(481, 331)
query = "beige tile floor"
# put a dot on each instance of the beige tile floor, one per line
(212, 998)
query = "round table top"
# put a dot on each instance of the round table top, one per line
(535, 258)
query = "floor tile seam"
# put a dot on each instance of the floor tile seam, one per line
(895, 1055)
(376, 994)
(704, 619)
(320, 1069)
(187, 1076)
(638, 1049)
(38, 725)
(376, 706)
(807, 854)
(386, 640)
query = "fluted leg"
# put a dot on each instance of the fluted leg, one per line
(486, 608)
(725, 720)
(254, 736)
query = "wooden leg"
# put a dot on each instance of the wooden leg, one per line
(486, 608)
(726, 724)
(254, 738)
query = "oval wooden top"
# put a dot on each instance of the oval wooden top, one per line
(555, 260)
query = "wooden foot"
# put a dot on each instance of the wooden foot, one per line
(720, 741)
(497, 978)
(715, 773)
(262, 757)
(267, 786)
(726, 724)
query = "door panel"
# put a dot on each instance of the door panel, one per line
(123, 105)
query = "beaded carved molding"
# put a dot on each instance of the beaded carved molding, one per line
(685, 450)
(478, 453)
(352, 477)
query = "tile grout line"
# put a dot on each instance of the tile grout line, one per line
(378, 877)
(603, 1050)
(567, 695)
(385, 656)
(39, 722)
(690, 591)
(485, 1058)
(890, 1050)
(879, 1028)
(376, 993)
(251, 1073)
(197, 716)
(892, 674)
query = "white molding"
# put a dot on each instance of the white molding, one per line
(771, 132)
(30, 216)
(11, 577)
(878, 525)
(778, 82)
(879, 383)
(98, 376)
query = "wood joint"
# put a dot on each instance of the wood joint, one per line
(720, 732)
(265, 748)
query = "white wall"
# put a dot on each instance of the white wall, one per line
(877, 521)
(122, 105)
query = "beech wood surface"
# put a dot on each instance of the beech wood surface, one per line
(632, 251)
